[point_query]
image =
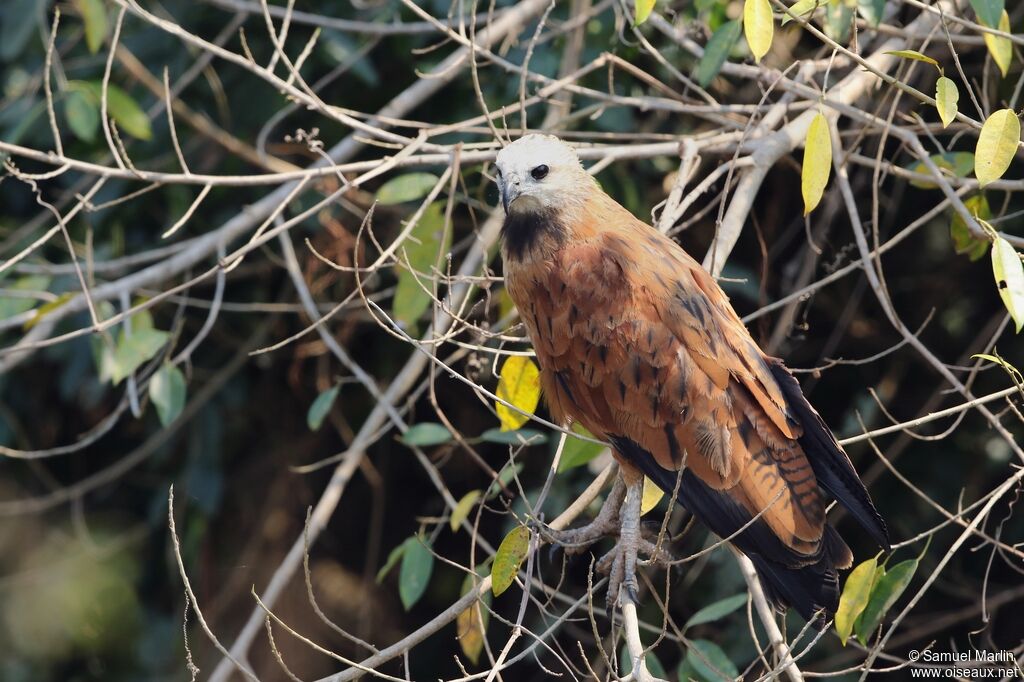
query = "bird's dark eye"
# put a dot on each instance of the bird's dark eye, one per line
(540, 172)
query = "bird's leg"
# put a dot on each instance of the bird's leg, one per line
(576, 540)
(620, 515)
(620, 563)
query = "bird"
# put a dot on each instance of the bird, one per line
(637, 343)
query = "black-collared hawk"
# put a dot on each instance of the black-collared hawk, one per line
(640, 345)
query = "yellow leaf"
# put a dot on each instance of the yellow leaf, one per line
(471, 634)
(520, 386)
(1009, 274)
(509, 558)
(999, 47)
(997, 145)
(462, 509)
(817, 165)
(94, 16)
(472, 622)
(964, 241)
(505, 304)
(651, 497)
(1014, 373)
(45, 309)
(913, 54)
(802, 7)
(854, 599)
(946, 97)
(643, 10)
(758, 26)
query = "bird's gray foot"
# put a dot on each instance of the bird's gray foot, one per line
(577, 540)
(620, 515)
(620, 562)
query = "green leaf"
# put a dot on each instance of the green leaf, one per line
(517, 437)
(462, 509)
(413, 576)
(988, 11)
(817, 166)
(717, 51)
(654, 666)
(103, 345)
(425, 434)
(871, 10)
(94, 15)
(685, 672)
(964, 241)
(946, 97)
(130, 118)
(82, 114)
(716, 610)
(1009, 274)
(999, 47)
(915, 55)
(838, 20)
(758, 26)
(15, 305)
(519, 385)
(132, 351)
(709, 661)
(959, 164)
(344, 49)
(425, 249)
(855, 596)
(886, 590)
(509, 558)
(103, 356)
(18, 24)
(408, 187)
(321, 407)
(505, 476)
(997, 145)
(802, 7)
(393, 557)
(142, 319)
(167, 391)
(643, 10)
(577, 452)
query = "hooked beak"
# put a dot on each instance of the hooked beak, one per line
(510, 191)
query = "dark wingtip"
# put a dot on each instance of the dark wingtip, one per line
(831, 466)
(875, 527)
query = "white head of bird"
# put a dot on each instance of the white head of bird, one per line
(540, 173)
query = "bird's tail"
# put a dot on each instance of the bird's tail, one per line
(812, 590)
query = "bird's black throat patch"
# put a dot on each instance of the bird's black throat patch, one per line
(525, 230)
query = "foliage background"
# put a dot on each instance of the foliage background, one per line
(90, 585)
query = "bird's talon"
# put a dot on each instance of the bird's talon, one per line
(609, 609)
(556, 553)
(632, 592)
